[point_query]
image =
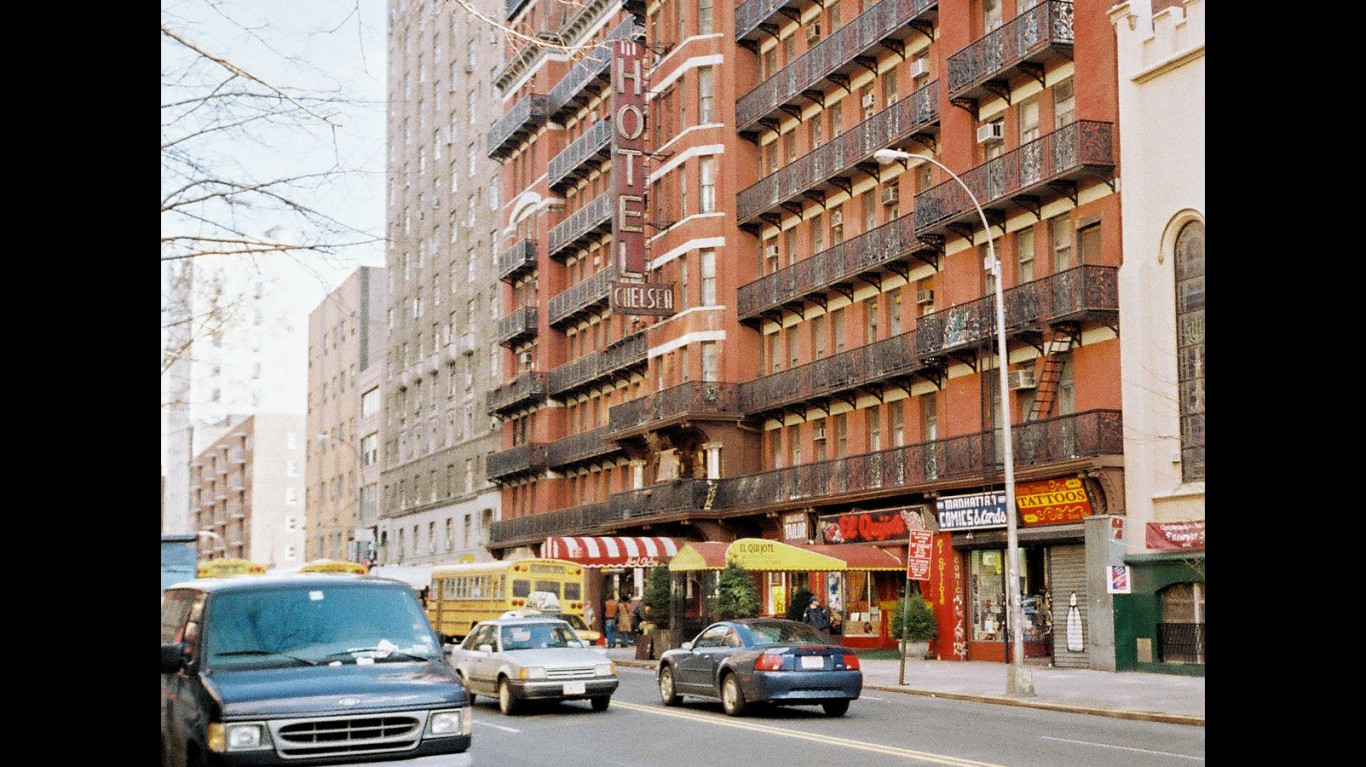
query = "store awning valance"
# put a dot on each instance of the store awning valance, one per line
(611, 551)
(762, 554)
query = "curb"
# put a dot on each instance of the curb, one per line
(1143, 716)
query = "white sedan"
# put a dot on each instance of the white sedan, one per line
(533, 658)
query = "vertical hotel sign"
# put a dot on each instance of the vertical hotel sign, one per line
(631, 294)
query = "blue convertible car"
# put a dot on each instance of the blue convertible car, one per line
(762, 660)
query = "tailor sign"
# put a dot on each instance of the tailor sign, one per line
(971, 512)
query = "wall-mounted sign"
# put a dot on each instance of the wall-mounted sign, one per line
(628, 147)
(629, 297)
(1117, 580)
(918, 552)
(871, 526)
(969, 512)
(1052, 501)
(796, 527)
(1176, 535)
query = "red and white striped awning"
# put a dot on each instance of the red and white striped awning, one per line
(611, 551)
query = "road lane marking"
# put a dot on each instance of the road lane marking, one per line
(497, 726)
(826, 739)
(1124, 748)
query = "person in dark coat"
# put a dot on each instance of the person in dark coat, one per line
(816, 616)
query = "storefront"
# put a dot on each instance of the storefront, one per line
(858, 582)
(616, 564)
(969, 580)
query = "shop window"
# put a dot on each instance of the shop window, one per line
(1181, 634)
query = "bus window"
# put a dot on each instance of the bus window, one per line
(550, 586)
(573, 591)
(521, 588)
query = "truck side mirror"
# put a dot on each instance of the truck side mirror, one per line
(172, 657)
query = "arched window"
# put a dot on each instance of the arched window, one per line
(1181, 632)
(1190, 347)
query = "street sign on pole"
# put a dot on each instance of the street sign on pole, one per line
(918, 555)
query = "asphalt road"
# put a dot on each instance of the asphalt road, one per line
(880, 730)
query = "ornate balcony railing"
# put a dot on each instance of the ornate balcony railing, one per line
(523, 459)
(1024, 43)
(890, 246)
(890, 359)
(516, 327)
(750, 14)
(678, 498)
(917, 467)
(841, 154)
(1086, 292)
(912, 468)
(594, 216)
(595, 142)
(584, 446)
(1023, 177)
(527, 114)
(695, 400)
(570, 92)
(829, 57)
(535, 527)
(523, 390)
(591, 292)
(517, 260)
(629, 353)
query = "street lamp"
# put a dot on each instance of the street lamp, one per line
(221, 544)
(1018, 680)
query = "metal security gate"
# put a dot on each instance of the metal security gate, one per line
(1067, 576)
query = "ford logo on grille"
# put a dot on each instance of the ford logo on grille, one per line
(348, 702)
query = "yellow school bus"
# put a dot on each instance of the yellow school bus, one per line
(334, 566)
(464, 594)
(213, 568)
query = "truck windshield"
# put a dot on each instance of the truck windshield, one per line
(293, 626)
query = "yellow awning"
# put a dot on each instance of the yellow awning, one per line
(751, 554)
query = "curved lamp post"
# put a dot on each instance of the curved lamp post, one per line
(1018, 679)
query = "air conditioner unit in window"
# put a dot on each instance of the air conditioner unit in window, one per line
(818, 432)
(837, 218)
(524, 358)
(920, 67)
(1023, 378)
(923, 297)
(771, 251)
(868, 100)
(991, 132)
(813, 32)
(891, 194)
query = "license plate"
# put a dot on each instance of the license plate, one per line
(573, 688)
(813, 662)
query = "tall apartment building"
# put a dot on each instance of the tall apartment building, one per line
(247, 489)
(802, 348)
(1161, 46)
(436, 504)
(346, 345)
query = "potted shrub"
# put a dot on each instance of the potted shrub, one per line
(736, 595)
(657, 598)
(801, 597)
(913, 624)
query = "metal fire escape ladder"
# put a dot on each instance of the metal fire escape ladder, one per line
(1050, 373)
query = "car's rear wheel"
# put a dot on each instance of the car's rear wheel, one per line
(507, 700)
(601, 702)
(666, 687)
(732, 698)
(835, 707)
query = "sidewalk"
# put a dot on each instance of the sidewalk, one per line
(1124, 694)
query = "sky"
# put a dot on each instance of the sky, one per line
(323, 47)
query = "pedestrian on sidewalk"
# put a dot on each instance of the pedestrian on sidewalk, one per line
(609, 621)
(624, 625)
(816, 616)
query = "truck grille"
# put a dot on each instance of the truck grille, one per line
(303, 738)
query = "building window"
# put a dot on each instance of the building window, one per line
(1024, 254)
(1181, 632)
(1061, 231)
(873, 425)
(711, 360)
(704, 95)
(1190, 348)
(708, 256)
(708, 172)
(1064, 104)
(1089, 244)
